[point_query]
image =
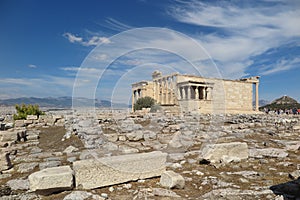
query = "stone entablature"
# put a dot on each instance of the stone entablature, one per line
(198, 94)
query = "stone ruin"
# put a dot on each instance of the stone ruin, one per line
(117, 155)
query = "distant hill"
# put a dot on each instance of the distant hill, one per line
(284, 102)
(59, 102)
(261, 102)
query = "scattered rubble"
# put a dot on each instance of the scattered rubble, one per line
(116, 155)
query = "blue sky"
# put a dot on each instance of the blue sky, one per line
(44, 43)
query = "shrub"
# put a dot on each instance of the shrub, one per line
(24, 110)
(143, 102)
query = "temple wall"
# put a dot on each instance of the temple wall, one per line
(238, 96)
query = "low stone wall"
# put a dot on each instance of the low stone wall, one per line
(39, 121)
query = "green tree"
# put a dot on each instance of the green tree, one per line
(24, 110)
(143, 102)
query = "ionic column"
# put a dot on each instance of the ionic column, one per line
(160, 91)
(154, 90)
(171, 99)
(256, 96)
(204, 93)
(157, 91)
(132, 101)
(167, 91)
(162, 97)
(171, 92)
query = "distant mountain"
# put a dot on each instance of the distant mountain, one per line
(284, 102)
(261, 102)
(59, 102)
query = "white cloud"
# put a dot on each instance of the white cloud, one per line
(17, 81)
(241, 31)
(116, 25)
(93, 41)
(72, 38)
(32, 66)
(86, 69)
(70, 68)
(100, 57)
(280, 66)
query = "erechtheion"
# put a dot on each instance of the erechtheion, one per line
(189, 93)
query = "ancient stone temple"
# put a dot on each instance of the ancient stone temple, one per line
(190, 93)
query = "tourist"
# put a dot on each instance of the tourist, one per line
(295, 112)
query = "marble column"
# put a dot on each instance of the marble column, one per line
(167, 91)
(154, 90)
(171, 98)
(132, 101)
(162, 97)
(160, 91)
(256, 97)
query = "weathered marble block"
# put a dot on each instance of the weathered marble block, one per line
(51, 179)
(225, 152)
(95, 173)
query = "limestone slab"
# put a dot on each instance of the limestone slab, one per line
(95, 173)
(32, 117)
(51, 179)
(8, 136)
(225, 152)
(19, 123)
(18, 184)
(268, 152)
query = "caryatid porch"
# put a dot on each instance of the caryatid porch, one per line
(194, 90)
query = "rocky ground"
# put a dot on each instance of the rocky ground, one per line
(256, 152)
